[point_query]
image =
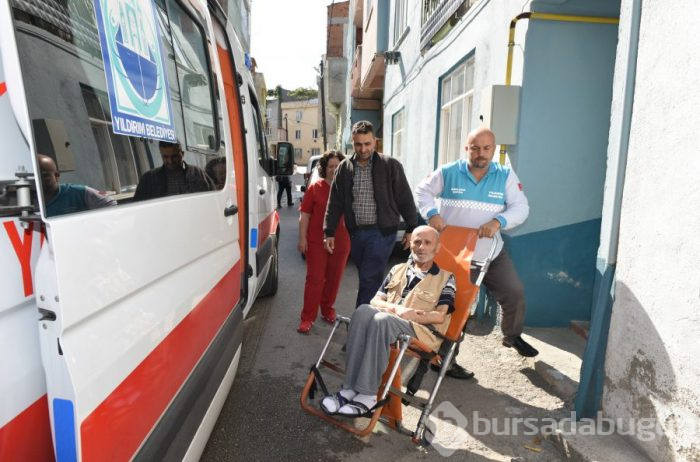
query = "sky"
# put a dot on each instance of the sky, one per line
(288, 38)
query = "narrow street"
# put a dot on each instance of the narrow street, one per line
(262, 418)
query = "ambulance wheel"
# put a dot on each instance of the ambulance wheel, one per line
(269, 288)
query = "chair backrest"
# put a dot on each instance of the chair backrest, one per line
(456, 249)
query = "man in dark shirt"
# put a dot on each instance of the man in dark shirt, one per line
(173, 177)
(371, 192)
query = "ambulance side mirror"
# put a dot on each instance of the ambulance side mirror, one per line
(285, 158)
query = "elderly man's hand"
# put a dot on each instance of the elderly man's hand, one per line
(437, 222)
(489, 229)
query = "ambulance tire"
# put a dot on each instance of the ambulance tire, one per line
(269, 288)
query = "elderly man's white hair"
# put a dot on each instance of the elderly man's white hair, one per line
(430, 229)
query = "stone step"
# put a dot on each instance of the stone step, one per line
(593, 448)
(559, 361)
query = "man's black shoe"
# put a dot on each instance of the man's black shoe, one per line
(455, 371)
(522, 347)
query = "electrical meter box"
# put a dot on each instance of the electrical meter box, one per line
(500, 109)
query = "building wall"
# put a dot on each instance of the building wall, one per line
(308, 122)
(336, 71)
(376, 32)
(273, 125)
(651, 368)
(413, 82)
(561, 158)
(351, 113)
(566, 72)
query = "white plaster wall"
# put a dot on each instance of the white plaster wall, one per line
(652, 366)
(413, 83)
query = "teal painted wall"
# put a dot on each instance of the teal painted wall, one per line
(561, 159)
(557, 267)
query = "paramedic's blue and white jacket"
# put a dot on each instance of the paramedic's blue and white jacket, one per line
(465, 202)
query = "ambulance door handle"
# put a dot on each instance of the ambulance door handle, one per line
(231, 210)
(262, 191)
(46, 315)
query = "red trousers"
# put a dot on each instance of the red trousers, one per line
(323, 275)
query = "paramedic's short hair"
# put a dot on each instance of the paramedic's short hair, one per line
(323, 161)
(363, 127)
(168, 144)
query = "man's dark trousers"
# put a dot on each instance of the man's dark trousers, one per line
(370, 251)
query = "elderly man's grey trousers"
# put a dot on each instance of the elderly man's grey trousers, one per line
(367, 349)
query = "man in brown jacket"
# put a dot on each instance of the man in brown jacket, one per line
(371, 192)
(414, 295)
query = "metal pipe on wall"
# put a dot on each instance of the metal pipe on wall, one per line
(542, 17)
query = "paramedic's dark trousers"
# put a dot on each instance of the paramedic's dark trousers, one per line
(505, 286)
(370, 251)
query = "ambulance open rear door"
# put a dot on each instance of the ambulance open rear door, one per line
(140, 324)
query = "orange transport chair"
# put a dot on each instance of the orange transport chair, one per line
(455, 256)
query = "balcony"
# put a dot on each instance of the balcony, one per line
(371, 85)
(437, 14)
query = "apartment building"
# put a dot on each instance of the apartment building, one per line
(301, 124)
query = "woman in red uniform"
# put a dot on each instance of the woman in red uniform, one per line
(323, 270)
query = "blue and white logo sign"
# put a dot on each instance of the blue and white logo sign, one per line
(137, 81)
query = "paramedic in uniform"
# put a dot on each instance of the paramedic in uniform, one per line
(324, 270)
(481, 194)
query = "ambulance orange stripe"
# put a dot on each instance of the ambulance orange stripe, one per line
(118, 426)
(267, 226)
(28, 435)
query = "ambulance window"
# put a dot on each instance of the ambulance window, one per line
(259, 136)
(192, 66)
(74, 118)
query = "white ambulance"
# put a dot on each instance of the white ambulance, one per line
(137, 225)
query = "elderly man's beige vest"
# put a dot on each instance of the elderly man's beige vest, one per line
(424, 296)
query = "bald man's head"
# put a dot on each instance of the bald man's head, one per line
(49, 175)
(425, 243)
(481, 146)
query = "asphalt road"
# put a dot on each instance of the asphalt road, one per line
(262, 418)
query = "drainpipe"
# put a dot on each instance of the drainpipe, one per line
(542, 17)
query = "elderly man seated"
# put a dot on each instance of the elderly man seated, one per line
(416, 298)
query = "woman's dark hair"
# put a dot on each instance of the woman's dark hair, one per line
(211, 173)
(323, 161)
